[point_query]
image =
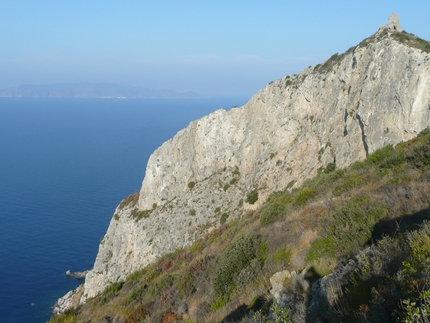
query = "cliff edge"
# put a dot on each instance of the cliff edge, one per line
(335, 113)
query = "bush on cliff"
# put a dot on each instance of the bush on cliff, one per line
(235, 258)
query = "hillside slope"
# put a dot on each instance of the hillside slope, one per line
(375, 94)
(349, 245)
(228, 163)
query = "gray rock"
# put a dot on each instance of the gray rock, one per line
(182, 309)
(77, 274)
(70, 300)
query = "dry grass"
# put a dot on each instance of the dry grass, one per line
(402, 190)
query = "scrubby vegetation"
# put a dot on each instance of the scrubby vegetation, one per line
(332, 61)
(366, 224)
(252, 197)
(130, 200)
(412, 40)
(191, 185)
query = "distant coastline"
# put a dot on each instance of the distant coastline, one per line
(91, 90)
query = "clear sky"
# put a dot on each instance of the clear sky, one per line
(211, 47)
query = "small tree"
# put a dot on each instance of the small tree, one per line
(252, 197)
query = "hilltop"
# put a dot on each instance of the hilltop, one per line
(227, 209)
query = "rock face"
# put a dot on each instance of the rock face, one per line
(375, 94)
(77, 274)
(71, 299)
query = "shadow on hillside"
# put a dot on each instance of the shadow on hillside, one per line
(356, 295)
(262, 303)
(399, 225)
(243, 310)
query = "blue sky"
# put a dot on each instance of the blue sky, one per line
(211, 47)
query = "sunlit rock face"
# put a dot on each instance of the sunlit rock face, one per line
(375, 94)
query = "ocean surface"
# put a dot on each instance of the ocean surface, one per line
(65, 164)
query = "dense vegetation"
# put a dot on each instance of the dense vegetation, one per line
(366, 223)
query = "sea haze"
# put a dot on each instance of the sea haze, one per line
(65, 165)
(90, 90)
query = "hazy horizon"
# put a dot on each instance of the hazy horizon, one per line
(212, 48)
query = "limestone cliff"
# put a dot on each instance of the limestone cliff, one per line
(375, 94)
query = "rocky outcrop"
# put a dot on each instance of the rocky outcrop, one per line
(70, 300)
(77, 274)
(375, 94)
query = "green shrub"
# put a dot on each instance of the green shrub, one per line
(271, 212)
(348, 183)
(412, 40)
(224, 218)
(396, 159)
(252, 197)
(321, 248)
(69, 316)
(420, 156)
(191, 185)
(219, 303)
(330, 168)
(387, 158)
(113, 288)
(351, 224)
(236, 257)
(349, 229)
(236, 171)
(275, 314)
(417, 310)
(138, 215)
(160, 285)
(419, 249)
(302, 197)
(290, 184)
(263, 251)
(283, 255)
(360, 165)
(136, 293)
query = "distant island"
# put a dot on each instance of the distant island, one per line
(91, 90)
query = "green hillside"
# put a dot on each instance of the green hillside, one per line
(366, 225)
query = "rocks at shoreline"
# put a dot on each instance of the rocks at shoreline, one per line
(77, 274)
(70, 300)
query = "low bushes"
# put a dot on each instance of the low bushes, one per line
(271, 212)
(236, 257)
(349, 227)
(303, 196)
(138, 215)
(252, 197)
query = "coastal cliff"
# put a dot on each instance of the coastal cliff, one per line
(333, 114)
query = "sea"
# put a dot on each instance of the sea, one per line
(65, 164)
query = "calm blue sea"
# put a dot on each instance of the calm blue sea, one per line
(65, 164)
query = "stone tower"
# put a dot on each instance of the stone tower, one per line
(393, 23)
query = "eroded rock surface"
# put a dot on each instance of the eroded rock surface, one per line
(375, 94)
